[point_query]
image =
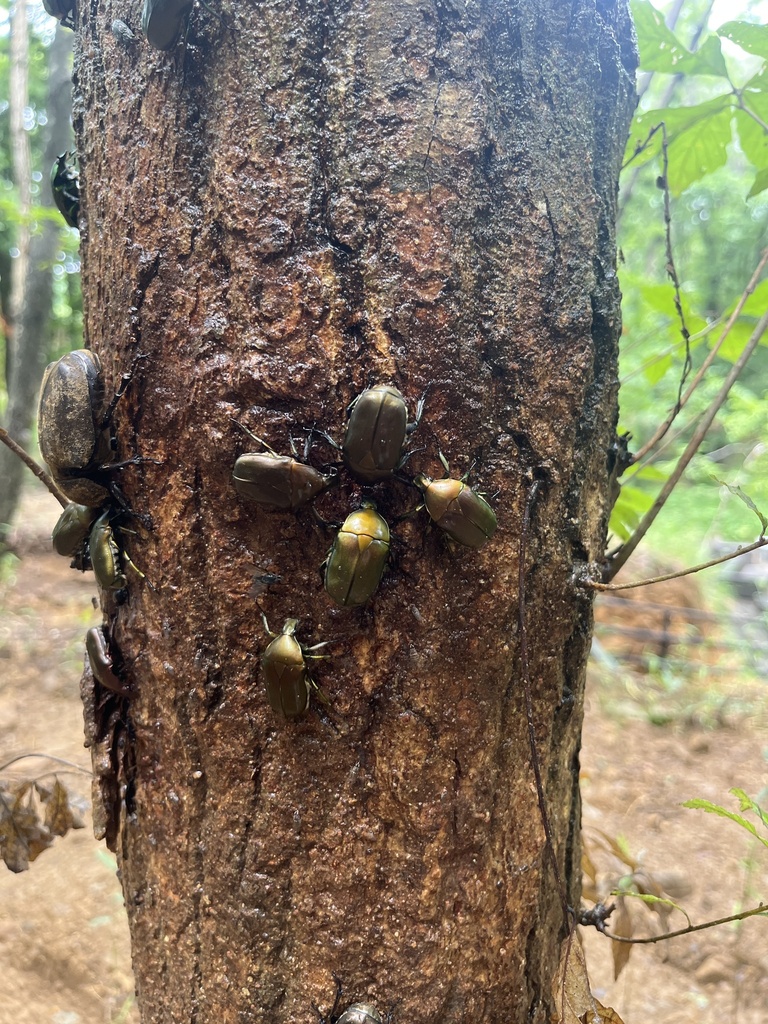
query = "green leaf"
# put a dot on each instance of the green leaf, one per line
(684, 125)
(752, 38)
(760, 184)
(661, 50)
(707, 805)
(699, 151)
(738, 493)
(748, 804)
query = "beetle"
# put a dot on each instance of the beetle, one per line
(107, 556)
(163, 20)
(70, 534)
(100, 659)
(73, 430)
(63, 11)
(464, 515)
(65, 185)
(73, 438)
(277, 480)
(360, 1013)
(286, 676)
(376, 431)
(357, 558)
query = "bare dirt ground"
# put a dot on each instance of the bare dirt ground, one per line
(64, 951)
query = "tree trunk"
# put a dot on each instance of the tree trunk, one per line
(301, 201)
(33, 283)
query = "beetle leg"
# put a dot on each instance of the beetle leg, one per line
(253, 437)
(266, 625)
(125, 380)
(419, 413)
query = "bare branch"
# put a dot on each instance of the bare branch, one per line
(36, 468)
(761, 909)
(594, 585)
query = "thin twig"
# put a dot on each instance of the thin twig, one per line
(624, 552)
(36, 468)
(762, 909)
(750, 113)
(707, 362)
(47, 757)
(533, 490)
(594, 585)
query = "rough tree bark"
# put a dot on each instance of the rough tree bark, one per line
(308, 198)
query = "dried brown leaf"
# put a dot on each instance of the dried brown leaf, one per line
(23, 837)
(574, 1002)
(621, 924)
(59, 818)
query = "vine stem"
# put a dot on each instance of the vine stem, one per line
(626, 550)
(36, 468)
(761, 909)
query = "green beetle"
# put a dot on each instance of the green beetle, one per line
(286, 676)
(107, 557)
(376, 432)
(63, 11)
(162, 21)
(357, 558)
(464, 515)
(277, 480)
(72, 528)
(65, 185)
(100, 660)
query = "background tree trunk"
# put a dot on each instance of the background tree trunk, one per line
(32, 275)
(306, 199)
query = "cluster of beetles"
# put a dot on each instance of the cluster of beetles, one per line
(75, 439)
(373, 452)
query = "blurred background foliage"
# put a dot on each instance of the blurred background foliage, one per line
(704, 75)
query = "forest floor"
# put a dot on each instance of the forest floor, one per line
(64, 950)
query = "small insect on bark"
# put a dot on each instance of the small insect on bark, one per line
(376, 432)
(63, 11)
(286, 676)
(278, 481)
(65, 186)
(162, 21)
(100, 660)
(464, 515)
(356, 561)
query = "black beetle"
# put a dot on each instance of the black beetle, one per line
(464, 515)
(107, 556)
(100, 659)
(286, 676)
(63, 11)
(357, 558)
(376, 432)
(277, 480)
(163, 20)
(65, 185)
(72, 528)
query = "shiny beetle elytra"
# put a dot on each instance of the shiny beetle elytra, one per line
(65, 185)
(277, 480)
(63, 11)
(464, 515)
(286, 676)
(163, 20)
(101, 662)
(107, 557)
(72, 529)
(360, 1013)
(73, 439)
(376, 432)
(357, 558)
